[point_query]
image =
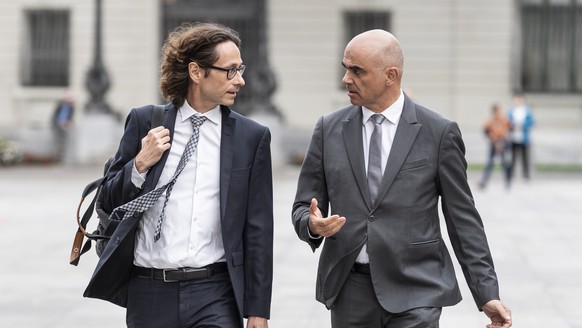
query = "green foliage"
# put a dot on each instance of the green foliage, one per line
(10, 152)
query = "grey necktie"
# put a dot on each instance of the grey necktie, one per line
(375, 157)
(144, 202)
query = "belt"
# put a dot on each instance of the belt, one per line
(182, 274)
(363, 268)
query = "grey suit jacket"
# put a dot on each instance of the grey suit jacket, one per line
(410, 264)
(246, 211)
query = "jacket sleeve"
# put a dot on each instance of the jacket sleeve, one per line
(311, 184)
(258, 233)
(119, 189)
(464, 224)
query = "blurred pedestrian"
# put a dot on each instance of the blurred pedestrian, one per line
(382, 165)
(62, 121)
(496, 130)
(521, 121)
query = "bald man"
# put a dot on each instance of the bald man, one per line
(379, 167)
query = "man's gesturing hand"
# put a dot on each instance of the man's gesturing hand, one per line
(321, 226)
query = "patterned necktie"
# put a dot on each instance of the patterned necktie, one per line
(144, 202)
(375, 157)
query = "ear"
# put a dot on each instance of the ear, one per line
(195, 72)
(392, 74)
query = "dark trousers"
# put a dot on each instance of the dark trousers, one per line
(60, 143)
(358, 307)
(496, 150)
(522, 151)
(196, 303)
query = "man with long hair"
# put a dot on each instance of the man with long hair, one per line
(194, 245)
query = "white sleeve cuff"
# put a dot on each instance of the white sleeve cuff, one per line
(138, 178)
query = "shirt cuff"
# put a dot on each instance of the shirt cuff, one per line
(138, 178)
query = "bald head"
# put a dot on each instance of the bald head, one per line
(374, 65)
(381, 47)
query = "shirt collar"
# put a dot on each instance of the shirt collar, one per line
(392, 113)
(186, 111)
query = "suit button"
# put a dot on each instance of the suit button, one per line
(117, 240)
(371, 218)
(131, 194)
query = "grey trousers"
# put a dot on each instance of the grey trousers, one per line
(358, 307)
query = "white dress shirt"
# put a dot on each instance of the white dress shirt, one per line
(191, 232)
(389, 125)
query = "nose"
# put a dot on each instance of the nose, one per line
(239, 80)
(346, 79)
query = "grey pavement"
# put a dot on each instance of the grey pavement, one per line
(533, 229)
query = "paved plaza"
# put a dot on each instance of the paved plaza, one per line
(534, 232)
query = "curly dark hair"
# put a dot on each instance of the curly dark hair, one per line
(187, 43)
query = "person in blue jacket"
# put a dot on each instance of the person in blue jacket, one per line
(521, 121)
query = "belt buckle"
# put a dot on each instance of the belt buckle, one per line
(166, 278)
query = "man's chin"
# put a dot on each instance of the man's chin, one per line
(354, 102)
(227, 102)
(354, 99)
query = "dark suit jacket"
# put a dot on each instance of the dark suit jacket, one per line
(246, 211)
(410, 264)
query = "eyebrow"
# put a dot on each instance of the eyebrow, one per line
(351, 66)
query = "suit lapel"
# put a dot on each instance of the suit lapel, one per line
(352, 132)
(170, 114)
(406, 132)
(226, 155)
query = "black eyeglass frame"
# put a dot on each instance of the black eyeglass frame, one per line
(230, 72)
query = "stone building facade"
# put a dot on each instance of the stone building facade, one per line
(460, 57)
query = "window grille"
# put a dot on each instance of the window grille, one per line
(45, 53)
(551, 46)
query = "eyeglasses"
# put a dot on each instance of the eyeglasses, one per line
(231, 72)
